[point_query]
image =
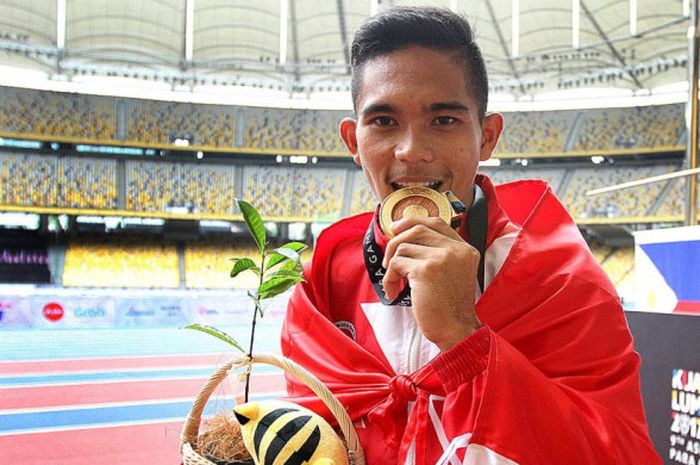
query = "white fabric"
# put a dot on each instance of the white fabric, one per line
(480, 455)
(475, 454)
(396, 329)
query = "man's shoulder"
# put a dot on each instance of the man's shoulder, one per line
(350, 229)
(340, 241)
(550, 240)
(520, 199)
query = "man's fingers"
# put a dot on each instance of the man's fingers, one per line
(395, 275)
(420, 234)
(434, 223)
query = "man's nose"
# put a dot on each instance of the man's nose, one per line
(413, 147)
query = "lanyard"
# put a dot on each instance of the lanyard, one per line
(478, 225)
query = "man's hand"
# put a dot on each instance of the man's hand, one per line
(441, 269)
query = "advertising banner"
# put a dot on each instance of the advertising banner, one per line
(220, 310)
(150, 311)
(72, 311)
(59, 308)
(14, 313)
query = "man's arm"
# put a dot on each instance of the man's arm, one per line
(441, 269)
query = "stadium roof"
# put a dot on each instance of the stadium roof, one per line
(301, 47)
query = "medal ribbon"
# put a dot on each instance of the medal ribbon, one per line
(374, 255)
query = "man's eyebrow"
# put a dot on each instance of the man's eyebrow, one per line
(441, 106)
(377, 108)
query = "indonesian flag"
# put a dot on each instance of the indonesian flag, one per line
(551, 377)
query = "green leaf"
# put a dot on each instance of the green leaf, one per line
(243, 264)
(217, 333)
(289, 251)
(254, 223)
(291, 274)
(276, 286)
(290, 265)
(295, 246)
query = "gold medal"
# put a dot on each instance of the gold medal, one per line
(415, 201)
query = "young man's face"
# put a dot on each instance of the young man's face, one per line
(417, 124)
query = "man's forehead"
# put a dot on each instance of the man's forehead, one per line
(379, 73)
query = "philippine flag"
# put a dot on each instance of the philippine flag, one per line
(667, 269)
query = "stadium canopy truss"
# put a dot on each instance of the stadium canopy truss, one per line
(300, 48)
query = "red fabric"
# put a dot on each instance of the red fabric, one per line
(551, 378)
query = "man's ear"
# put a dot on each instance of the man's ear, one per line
(491, 131)
(348, 131)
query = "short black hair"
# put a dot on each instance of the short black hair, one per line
(435, 28)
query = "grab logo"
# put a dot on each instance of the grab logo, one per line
(53, 311)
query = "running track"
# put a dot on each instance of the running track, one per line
(78, 397)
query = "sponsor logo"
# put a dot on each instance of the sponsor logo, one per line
(97, 312)
(346, 328)
(171, 310)
(207, 311)
(135, 312)
(53, 311)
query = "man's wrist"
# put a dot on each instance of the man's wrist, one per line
(458, 334)
(461, 363)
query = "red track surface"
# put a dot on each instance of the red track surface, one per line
(78, 394)
(137, 444)
(156, 444)
(92, 364)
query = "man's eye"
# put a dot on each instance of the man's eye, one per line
(383, 121)
(443, 120)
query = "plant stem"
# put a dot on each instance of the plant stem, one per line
(256, 309)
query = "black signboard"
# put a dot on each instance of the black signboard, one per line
(670, 348)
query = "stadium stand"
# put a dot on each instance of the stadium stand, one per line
(52, 181)
(535, 132)
(272, 128)
(162, 122)
(362, 197)
(501, 175)
(619, 264)
(634, 202)
(28, 180)
(600, 251)
(121, 261)
(624, 128)
(208, 264)
(208, 187)
(160, 186)
(319, 131)
(279, 191)
(672, 202)
(43, 114)
(87, 183)
(24, 111)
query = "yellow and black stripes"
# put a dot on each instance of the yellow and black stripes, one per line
(282, 436)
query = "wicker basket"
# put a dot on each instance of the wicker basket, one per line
(190, 432)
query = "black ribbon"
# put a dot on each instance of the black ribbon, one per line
(373, 254)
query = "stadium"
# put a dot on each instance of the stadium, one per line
(129, 129)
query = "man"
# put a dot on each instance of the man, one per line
(531, 363)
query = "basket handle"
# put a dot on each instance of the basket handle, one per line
(191, 428)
